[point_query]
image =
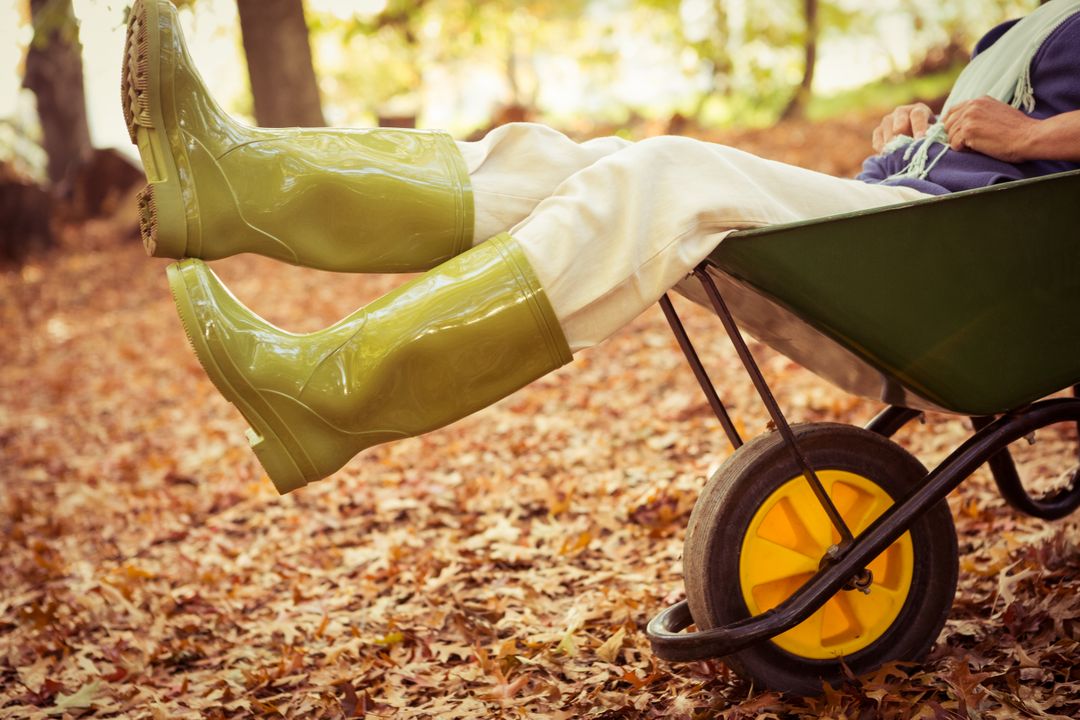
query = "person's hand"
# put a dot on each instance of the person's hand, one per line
(990, 127)
(910, 120)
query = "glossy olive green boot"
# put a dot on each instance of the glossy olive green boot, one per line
(442, 346)
(376, 200)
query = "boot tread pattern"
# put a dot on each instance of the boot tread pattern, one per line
(135, 99)
(134, 79)
(148, 219)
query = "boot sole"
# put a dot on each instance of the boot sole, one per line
(278, 452)
(162, 218)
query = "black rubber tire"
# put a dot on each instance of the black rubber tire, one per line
(721, 518)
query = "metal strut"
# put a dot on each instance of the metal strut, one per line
(774, 409)
(699, 372)
(1053, 506)
(889, 421)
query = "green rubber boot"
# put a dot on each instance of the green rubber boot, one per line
(442, 346)
(376, 200)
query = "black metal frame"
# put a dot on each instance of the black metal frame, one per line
(845, 568)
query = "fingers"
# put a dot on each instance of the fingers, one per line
(954, 125)
(912, 120)
(955, 113)
(900, 120)
(972, 123)
(984, 124)
(919, 119)
(883, 133)
(991, 127)
(957, 140)
(892, 124)
(957, 124)
(982, 107)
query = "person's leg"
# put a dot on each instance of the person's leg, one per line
(620, 233)
(379, 200)
(515, 166)
(609, 241)
(444, 345)
(355, 200)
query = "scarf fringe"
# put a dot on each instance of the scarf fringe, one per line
(978, 79)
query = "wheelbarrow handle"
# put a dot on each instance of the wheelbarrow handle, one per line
(670, 643)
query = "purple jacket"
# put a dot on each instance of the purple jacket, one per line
(1055, 78)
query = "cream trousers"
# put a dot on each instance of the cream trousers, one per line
(609, 225)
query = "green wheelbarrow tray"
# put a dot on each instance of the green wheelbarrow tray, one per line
(966, 303)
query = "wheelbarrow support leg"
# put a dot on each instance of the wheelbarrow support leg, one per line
(771, 405)
(700, 373)
(889, 421)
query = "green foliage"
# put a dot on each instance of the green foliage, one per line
(885, 94)
(739, 60)
(55, 18)
(384, 54)
(729, 61)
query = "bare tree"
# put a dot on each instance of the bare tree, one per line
(797, 106)
(54, 73)
(278, 54)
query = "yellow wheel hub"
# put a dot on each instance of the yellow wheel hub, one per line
(784, 545)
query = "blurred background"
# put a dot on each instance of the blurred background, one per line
(633, 67)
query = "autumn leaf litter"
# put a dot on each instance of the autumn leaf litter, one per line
(503, 567)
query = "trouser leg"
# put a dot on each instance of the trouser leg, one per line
(515, 166)
(616, 235)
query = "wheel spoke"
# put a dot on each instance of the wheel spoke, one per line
(871, 513)
(840, 621)
(813, 516)
(769, 561)
(768, 595)
(871, 609)
(886, 567)
(787, 526)
(808, 632)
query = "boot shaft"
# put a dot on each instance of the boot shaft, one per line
(378, 200)
(440, 347)
(447, 343)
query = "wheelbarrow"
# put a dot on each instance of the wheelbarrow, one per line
(818, 545)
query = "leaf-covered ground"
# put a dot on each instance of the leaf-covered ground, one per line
(503, 567)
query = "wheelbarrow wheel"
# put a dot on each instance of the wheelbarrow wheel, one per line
(757, 533)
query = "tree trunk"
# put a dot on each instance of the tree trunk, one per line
(54, 73)
(279, 63)
(26, 210)
(797, 106)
